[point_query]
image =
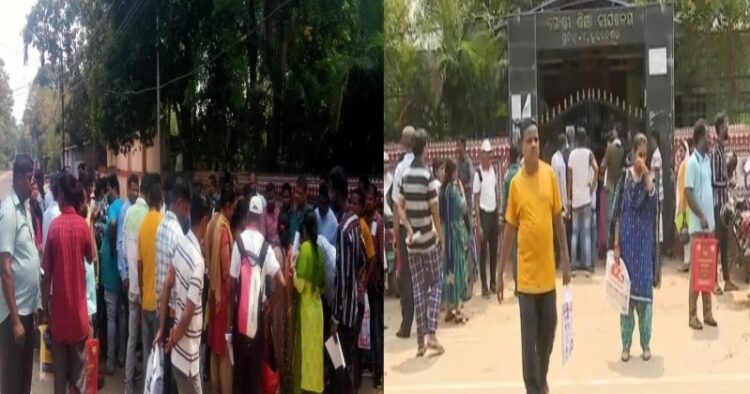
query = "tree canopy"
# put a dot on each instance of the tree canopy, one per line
(7, 120)
(446, 63)
(273, 85)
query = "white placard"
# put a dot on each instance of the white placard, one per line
(567, 324)
(657, 61)
(334, 351)
(617, 284)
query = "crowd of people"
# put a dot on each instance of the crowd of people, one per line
(235, 286)
(441, 214)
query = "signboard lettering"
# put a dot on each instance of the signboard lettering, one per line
(589, 28)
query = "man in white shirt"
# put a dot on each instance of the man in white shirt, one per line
(486, 203)
(248, 352)
(52, 211)
(387, 182)
(656, 171)
(561, 170)
(580, 163)
(399, 239)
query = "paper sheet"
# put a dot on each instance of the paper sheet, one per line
(657, 61)
(230, 349)
(335, 352)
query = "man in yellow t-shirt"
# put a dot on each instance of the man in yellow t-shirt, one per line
(534, 207)
(147, 267)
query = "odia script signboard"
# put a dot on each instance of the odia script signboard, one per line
(587, 28)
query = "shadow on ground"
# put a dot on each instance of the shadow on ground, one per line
(637, 368)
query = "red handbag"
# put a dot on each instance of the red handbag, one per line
(705, 252)
(270, 380)
(92, 365)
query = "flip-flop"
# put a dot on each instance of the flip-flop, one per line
(437, 347)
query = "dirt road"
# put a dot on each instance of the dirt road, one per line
(484, 356)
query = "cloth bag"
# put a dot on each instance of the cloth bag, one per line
(92, 365)
(705, 251)
(45, 354)
(155, 372)
(363, 341)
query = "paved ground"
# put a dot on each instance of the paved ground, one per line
(484, 356)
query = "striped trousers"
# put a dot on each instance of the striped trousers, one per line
(427, 280)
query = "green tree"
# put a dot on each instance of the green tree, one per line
(7, 121)
(275, 85)
(41, 120)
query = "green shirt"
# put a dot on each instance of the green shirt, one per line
(17, 238)
(614, 159)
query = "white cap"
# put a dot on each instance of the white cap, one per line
(256, 205)
(408, 130)
(486, 146)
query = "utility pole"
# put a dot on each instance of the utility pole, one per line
(62, 103)
(158, 90)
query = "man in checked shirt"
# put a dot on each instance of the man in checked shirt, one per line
(721, 182)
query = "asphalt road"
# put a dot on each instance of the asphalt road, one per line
(484, 356)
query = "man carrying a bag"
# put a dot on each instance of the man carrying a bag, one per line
(700, 199)
(252, 249)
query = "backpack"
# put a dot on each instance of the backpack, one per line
(250, 307)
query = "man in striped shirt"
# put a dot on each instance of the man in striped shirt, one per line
(720, 181)
(405, 287)
(168, 237)
(418, 203)
(350, 261)
(183, 288)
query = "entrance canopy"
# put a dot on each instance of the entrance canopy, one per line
(592, 62)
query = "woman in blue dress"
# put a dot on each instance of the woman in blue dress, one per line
(633, 240)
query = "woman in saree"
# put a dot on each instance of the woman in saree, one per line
(309, 282)
(452, 207)
(282, 316)
(634, 243)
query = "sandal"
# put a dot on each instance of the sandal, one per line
(461, 319)
(449, 316)
(436, 346)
